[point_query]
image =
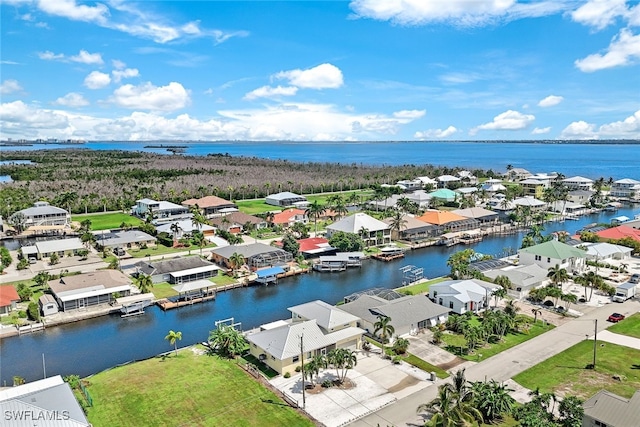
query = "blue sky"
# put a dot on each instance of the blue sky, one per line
(332, 70)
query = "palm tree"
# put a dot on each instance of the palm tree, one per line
(536, 312)
(173, 338)
(200, 241)
(364, 235)
(492, 399)
(400, 345)
(237, 260)
(498, 294)
(386, 329)
(398, 223)
(557, 275)
(340, 209)
(569, 299)
(228, 341)
(342, 359)
(312, 369)
(175, 232)
(314, 211)
(144, 282)
(442, 409)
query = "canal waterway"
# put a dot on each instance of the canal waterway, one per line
(90, 346)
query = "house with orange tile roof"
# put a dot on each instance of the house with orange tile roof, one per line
(449, 222)
(212, 206)
(619, 232)
(289, 217)
(8, 299)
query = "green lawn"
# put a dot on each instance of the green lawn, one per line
(256, 206)
(222, 279)
(565, 372)
(163, 290)
(164, 250)
(629, 326)
(107, 221)
(454, 342)
(420, 288)
(412, 359)
(194, 390)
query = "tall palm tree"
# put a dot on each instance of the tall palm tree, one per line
(173, 338)
(499, 294)
(340, 209)
(386, 329)
(237, 260)
(342, 359)
(557, 275)
(314, 211)
(442, 409)
(398, 223)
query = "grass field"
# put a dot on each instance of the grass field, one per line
(256, 206)
(191, 389)
(566, 373)
(420, 288)
(455, 341)
(163, 290)
(107, 221)
(164, 250)
(629, 326)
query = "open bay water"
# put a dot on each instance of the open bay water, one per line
(90, 346)
(568, 157)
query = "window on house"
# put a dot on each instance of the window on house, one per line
(435, 294)
(450, 304)
(295, 359)
(548, 260)
(538, 258)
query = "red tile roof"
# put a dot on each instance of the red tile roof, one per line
(619, 232)
(8, 294)
(312, 243)
(285, 217)
(207, 202)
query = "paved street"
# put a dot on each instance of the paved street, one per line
(505, 365)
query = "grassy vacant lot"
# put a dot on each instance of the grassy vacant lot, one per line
(421, 288)
(191, 389)
(629, 326)
(455, 341)
(164, 250)
(566, 373)
(107, 221)
(255, 206)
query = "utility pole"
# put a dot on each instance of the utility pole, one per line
(304, 402)
(595, 341)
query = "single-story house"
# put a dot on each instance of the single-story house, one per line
(580, 196)
(47, 402)
(315, 328)
(619, 232)
(461, 296)
(236, 222)
(372, 231)
(185, 227)
(62, 247)
(444, 194)
(413, 229)
(211, 206)
(408, 314)
(534, 204)
(485, 217)
(552, 253)
(605, 409)
(256, 255)
(9, 298)
(449, 222)
(568, 208)
(315, 246)
(88, 289)
(48, 305)
(178, 270)
(286, 198)
(523, 277)
(124, 239)
(604, 251)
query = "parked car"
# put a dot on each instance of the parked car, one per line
(119, 251)
(616, 317)
(635, 278)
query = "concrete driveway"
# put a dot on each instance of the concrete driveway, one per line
(377, 383)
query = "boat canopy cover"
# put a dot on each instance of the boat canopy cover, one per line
(266, 272)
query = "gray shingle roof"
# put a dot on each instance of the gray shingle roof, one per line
(246, 251)
(327, 316)
(613, 410)
(173, 265)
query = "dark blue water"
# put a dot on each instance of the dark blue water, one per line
(575, 158)
(90, 346)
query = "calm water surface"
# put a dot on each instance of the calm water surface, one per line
(91, 346)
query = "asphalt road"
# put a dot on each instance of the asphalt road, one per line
(505, 365)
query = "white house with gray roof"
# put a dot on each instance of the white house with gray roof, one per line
(286, 198)
(43, 215)
(46, 403)
(552, 253)
(408, 314)
(460, 296)
(162, 211)
(372, 231)
(61, 247)
(278, 344)
(522, 277)
(88, 289)
(124, 239)
(256, 255)
(178, 270)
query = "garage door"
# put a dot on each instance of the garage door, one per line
(349, 344)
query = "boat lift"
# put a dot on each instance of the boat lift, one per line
(411, 274)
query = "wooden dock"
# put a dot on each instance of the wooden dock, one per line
(388, 257)
(166, 304)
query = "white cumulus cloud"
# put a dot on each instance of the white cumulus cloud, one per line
(271, 92)
(324, 76)
(17, 118)
(85, 57)
(409, 114)
(627, 128)
(50, 56)
(541, 131)
(69, 9)
(126, 73)
(509, 120)
(149, 97)
(72, 99)
(550, 101)
(623, 50)
(10, 86)
(97, 80)
(599, 13)
(579, 130)
(436, 133)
